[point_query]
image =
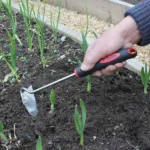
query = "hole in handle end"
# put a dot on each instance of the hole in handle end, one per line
(132, 51)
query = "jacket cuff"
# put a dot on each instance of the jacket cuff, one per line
(141, 14)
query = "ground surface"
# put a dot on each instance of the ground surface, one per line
(118, 113)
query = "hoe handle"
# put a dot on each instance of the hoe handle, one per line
(119, 56)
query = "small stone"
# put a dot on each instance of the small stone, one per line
(114, 133)
(116, 127)
(61, 57)
(94, 137)
(50, 143)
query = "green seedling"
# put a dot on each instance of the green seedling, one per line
(8, 8)
(54, 25)
(40, 32)
(145, 75)
(12, 51)
(80, 121)
(39, 143)
(84, 48)
(2, 134)
(0, 4)
(27, 16)
(89, 85)
(87, 18)
(85, 43)
(12, 62)
(52, 99)
(13, 72)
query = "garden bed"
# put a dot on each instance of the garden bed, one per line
(117, 109)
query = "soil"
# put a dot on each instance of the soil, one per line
(118, 112)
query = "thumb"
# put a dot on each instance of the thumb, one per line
(92, 56)
(86, 65)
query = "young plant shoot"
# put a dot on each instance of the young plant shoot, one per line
(52, 99)
(0, 4)
(12, 51)
(27, 16)
(145, 75)
(13, 72)
(80, 121)
(87, 18)
(12, 62)
(84, 47)
(54, 25)
(40, 33)
(2, 134)
(39, 143)
(8, 8)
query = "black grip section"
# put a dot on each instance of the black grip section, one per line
(119, 56)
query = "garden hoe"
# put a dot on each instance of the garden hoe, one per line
(27, 94)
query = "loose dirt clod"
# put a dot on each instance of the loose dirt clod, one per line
(77, 22)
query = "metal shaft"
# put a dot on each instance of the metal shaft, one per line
(50, 84)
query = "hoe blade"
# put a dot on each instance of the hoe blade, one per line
(29, 101)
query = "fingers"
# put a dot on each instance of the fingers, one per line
(110, 69)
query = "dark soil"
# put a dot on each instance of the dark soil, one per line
(118, 113)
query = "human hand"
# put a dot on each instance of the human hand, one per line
(123, 35)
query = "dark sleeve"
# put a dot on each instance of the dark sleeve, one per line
(141, 14)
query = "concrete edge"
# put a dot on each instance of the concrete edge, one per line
(118, 2)
(111, 11)
(132, 64)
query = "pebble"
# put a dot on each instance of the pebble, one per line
(94, 137)
(116, 127)
(61, 57)
(50, 143)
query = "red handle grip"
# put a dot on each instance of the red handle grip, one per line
(119, 56)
